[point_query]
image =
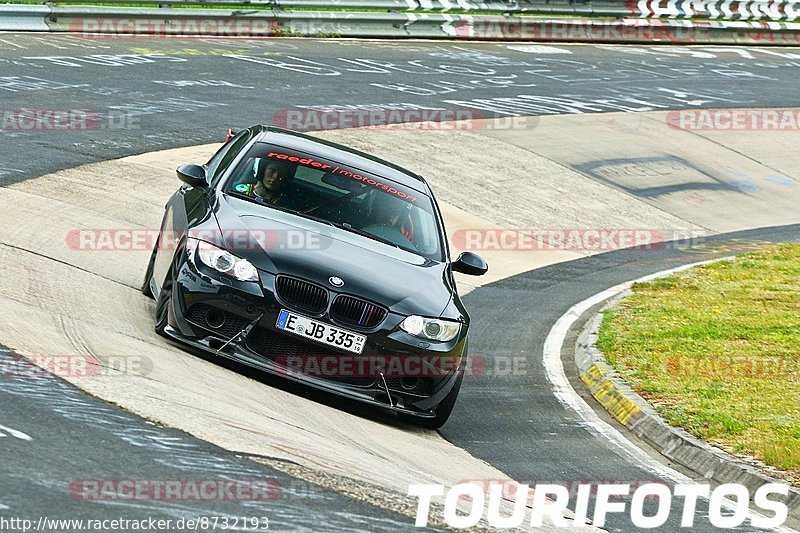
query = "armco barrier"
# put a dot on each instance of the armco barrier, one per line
(754, 10)
(23, 18)
(430, 24)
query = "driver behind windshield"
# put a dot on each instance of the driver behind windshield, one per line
(271, 184)
(387, 212)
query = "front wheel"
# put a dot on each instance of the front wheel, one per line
(148, 275)
(163, 306)
(444, 408)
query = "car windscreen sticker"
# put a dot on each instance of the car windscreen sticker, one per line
(391, 189)
(394, 189)
(300, 160)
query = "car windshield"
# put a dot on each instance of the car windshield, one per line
(336, 194)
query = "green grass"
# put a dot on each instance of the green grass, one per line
(716, 350)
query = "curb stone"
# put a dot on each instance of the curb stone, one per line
(636, 414)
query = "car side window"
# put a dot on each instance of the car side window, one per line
(213, 163)
(224, 156)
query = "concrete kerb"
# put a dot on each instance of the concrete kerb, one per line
(638, 416)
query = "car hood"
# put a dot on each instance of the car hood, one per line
(282, 243)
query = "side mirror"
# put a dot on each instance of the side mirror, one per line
(470, 264)
(193, 175)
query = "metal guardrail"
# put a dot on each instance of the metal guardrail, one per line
(633, 21)
(610, 8)
(566, 7)
(32, 18)
(773, 10)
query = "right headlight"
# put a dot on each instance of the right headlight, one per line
(225, 262)
(434, 329)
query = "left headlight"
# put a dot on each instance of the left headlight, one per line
(225, 262)
(431, 328)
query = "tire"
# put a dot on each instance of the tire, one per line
(162, 308)
(148, 275)
(444, 408)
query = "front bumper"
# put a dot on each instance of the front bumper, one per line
(393, 372)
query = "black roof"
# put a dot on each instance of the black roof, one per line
(341, 154)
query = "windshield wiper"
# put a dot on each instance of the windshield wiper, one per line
(347, 227)
(255, 199)
(315, 219)
(260, 201)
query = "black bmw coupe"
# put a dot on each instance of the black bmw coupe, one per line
(318, 263)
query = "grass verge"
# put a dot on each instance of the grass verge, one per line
(716, 351)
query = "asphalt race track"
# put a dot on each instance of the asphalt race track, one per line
(152, 94)
(87, 439)
(167, 84)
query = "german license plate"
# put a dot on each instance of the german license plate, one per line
(320, 332)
